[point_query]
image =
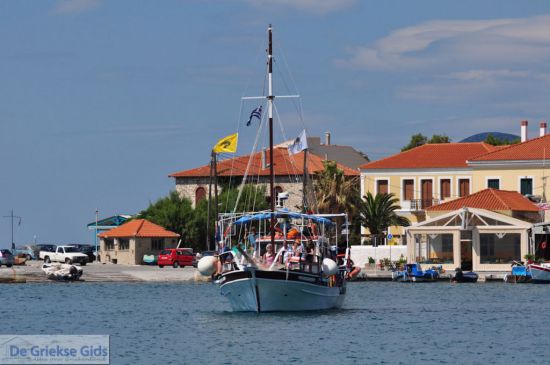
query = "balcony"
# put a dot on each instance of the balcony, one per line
(418, 204)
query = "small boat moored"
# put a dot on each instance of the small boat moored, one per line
(464, 277)
(540, 273)
(520, 274)
(414, 273)
(62, 272)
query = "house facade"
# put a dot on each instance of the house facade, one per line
(422, 177)
(432, 174)
(288, 169)
(128, 243)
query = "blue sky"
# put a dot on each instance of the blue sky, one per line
(101, 100)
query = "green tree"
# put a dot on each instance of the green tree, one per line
(495, 141)
(419, 139)
(335, 192)
(439, 138)
(416, 140)
(175, 214)
(379, 212)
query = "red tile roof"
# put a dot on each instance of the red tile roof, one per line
(138, 228)
(284, 165)
(490, 199)
(439, 155)
(533, 149)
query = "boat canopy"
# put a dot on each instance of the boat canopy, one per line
(282, 214)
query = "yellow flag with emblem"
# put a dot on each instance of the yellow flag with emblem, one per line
(227, 144)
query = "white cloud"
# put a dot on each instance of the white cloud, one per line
(65, 7)
(317, 7)
(441, 43)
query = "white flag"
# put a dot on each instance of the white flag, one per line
(300, 144)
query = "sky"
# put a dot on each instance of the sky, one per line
(101, 100)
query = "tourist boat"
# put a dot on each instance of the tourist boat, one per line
(414, 273)
(62, 272)
(520, 274)
(309, 281)
(540, 273)
(464, 277)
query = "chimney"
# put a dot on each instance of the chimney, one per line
(524, 124)
(542, 129)
(264, 164)
(327, 138)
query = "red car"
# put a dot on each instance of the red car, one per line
(176, 257)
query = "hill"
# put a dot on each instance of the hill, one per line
(480, 137)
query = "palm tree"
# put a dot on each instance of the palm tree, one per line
(334, 192)
(378, 213)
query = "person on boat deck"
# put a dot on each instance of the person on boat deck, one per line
(252, 239)
(308, 257)
(284, 250)
(224, 256)
(269, 255)
(288, 252)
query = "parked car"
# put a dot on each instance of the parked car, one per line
(176, 257)
(43, 247)
(66, 254)
(88, 250)
(6, 258)
(28, 251)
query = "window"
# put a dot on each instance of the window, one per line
(382, 186)
(463, 187)
(123, 244)
(499, 249)
(526, 186)
(200, 194)
(445, 188)
(109, 244)
(439, 249)
(408, 189)
(157, 244)
(493, 183)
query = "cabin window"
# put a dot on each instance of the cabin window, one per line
(382, 187)
(123, 244)
(445, 188)
(109, 244)
(499, 248)
(157, 244)
(493, 183)
(200, 194)
(408, 189)
(526, 186)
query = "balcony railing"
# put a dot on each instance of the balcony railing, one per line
(418, 204)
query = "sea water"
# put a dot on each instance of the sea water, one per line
(380, 323)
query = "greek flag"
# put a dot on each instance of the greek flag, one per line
(299, 144)
(255, 113)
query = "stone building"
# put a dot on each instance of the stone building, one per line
(128, 243)
(193, 183)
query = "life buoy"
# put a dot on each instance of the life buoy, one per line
(543, 245)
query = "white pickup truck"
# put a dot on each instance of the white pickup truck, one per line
(66, 254)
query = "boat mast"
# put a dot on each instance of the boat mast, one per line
(270, 98)
(208, 213)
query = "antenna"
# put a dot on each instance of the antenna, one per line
(13, 216)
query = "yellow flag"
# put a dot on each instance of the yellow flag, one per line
(227, 144)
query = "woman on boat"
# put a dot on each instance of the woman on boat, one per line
(269, 255)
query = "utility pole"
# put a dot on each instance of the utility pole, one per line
(96, 250)
(12, 217)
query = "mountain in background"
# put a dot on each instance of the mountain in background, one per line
(480, 137)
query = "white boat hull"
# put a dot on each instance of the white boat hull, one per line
(540, 273)
(272, 295)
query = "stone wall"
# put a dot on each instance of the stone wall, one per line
(186, 187)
